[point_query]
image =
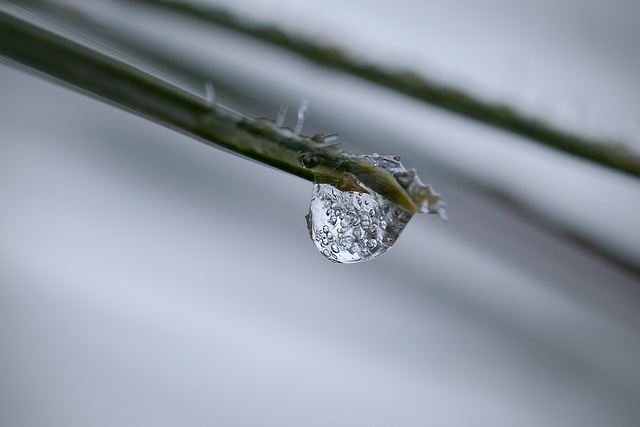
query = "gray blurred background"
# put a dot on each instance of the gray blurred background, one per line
(148, 279)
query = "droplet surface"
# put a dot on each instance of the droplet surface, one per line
(370, 223)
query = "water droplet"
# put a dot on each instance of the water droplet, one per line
(360, 238)
(366, 225)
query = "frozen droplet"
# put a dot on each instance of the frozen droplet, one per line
(359, 238)
(348, 226)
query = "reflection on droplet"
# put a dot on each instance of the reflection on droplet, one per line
(366, 238)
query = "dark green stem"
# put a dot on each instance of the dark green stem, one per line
(32, 42)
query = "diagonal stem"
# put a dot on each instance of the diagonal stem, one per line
(30, 41)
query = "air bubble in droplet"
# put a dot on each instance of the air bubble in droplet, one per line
(365, 221)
